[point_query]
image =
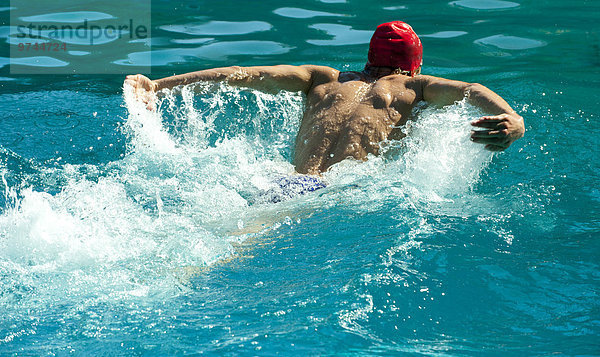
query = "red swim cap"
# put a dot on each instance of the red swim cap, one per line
(395, 44)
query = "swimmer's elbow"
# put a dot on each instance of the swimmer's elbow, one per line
(473, 88)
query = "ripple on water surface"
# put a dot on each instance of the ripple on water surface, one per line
(510, 42)
(392, 8)
(72, 36)
(213, 51)
(485, 4)
(445, 34)
(194, 41)
(297, 13)
(216, 28)
(342, 35)
(38, 61)
(79, 53)
(70, 17)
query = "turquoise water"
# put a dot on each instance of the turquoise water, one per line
(128, 233)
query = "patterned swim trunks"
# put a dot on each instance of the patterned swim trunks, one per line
(291, 186)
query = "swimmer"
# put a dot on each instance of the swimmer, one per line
(349, 113)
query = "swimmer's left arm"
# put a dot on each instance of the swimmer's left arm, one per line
(502, 127)
(265, 78)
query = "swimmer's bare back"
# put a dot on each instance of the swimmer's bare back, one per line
(349, 113)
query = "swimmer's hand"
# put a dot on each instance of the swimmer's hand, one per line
(501, 130)
(144, 89)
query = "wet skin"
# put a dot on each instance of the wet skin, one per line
(348, 114)
(349, 117)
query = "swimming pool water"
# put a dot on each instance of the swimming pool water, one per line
(129, 233)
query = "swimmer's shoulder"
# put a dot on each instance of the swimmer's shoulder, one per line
(424, 79)
(322, 73)
(416, 83)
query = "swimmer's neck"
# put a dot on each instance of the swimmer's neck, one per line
(377, 72)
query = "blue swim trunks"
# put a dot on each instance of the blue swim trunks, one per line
(291, 186)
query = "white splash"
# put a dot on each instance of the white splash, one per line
(179, 198)
(435, 162)
(138, 226)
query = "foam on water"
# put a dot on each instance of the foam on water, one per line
(131, 227)
(182, 195)
(435, 163)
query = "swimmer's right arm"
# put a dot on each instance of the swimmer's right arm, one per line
(501, 128)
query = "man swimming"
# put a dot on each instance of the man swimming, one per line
(349, 113)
